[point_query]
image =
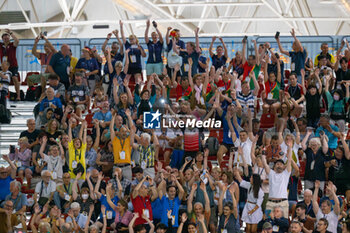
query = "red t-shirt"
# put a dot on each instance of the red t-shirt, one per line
(45, 59)
(221, 83)
(247, 70)
(10, 52)
(191, 140)
(180, 92)
(141, 203)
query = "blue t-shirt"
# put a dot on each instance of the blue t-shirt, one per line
(157, 208)
(184, 67)
(103, 116)
(60, 64)
(180, 43)
(226, 129)
(45, 103)
(103, 200)
(154, 52)
(88, 65)
(173, 205)
(203, 60)
(134, 56)
(5, 187)
(332, 140)
(298, 59)
(218, 62)
(19, 202)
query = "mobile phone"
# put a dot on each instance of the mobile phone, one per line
(12, 149)
(233, 149)
(277, 35)
(45, 33)
(344, 40)
(245, 38)
(188, 158)
(154, 24)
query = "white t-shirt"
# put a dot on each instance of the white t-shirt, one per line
(246, 147)
(332, 219)
(278, 184)
(46, 190)
(284, 149)
(54, 165)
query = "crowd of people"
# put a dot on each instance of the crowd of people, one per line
(97, 167)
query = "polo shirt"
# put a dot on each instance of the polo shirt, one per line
(134, 56)
(60, 65)
(140, 204)
(297, 61)
(154, 52)
(329, 57)
(218, 62)
(184, 68)
(103, 200)
(179, 43)
(88, 65)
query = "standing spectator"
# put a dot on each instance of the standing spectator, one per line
(219, 59)
(228, 213)
(45, 59)
(60, 65)
(172, 201)
(89, 67)
(192, 51)
(246, 97)
(155, 47)
(315, 160)
(326, 208)
(328, 129)
(117, 54)
(278, 182)
(77, 150)
(313, 97)
(8, 53)
(298, 56)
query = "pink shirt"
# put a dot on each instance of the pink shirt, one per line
(126, 219)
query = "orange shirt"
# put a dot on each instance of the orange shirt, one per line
(121, 150)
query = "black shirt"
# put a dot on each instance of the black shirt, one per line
(31, 136)
(315, 168)
(313, 105)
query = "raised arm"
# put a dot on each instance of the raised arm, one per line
(244, 47)
(190, 198)
(131, 224)
(167, 39)
(211, 46)
(256, 51)
(278, 71)
(122, 32)
(282, 50)
(127, 61)
(111, 128)
(148, 23)
(297, 41)
(289, 156)
(315, 206)
(34, 52)
(266, 166)
(110, 203)
(225, 48)
(198, 50)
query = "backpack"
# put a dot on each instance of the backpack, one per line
(212, 144)
(13, 95)
(33, 93)
(5, 115)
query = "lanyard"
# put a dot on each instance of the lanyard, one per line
(271, 86)
(309, 208)
(54, 167)
(76, 153)
(122, 143)
(274, 152)
(226, 221)
(293, 90)
(260, 172)
(67, 190)
(144, 202)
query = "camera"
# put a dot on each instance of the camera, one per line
(277, 35)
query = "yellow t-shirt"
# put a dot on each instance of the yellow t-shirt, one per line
(78, 156)
(73, 63)
(121, 148)
(316, 59)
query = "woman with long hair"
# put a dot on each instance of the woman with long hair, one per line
(252, 212)
(52, 131)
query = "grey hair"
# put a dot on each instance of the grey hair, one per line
(146, 136)
(307, 191)
(74, 205)
(198, 203)
(279, 207)
(118, 63)
(44, 171)
(315, 140)
(66, 228)
(17, 184)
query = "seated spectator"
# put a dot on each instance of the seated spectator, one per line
(18, 199)
(63, 196)
(22, 157)
(5, 79)
(45, 189)
(7, 217)
(104, 116)
(31, 133)
(324, 52)
(50, 101)
(328, 129)
(78, 219)
(300, 216)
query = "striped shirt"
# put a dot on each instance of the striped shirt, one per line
(246, 100)
(4, 83)
(147, 155)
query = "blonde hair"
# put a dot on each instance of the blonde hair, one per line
(134, 36)
(23, 140)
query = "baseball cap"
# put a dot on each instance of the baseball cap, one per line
(267, 226)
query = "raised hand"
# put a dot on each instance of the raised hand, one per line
(169, 213)
(213, 39)
(194, 186)
(79, 175)
(190, 61)
(121, 23)
(317, 184)
(183, 217)
(292, 32)
(169, 28)
(148, 23)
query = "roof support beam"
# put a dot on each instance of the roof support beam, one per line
(27, 18)
(64, 7)
(201, 4)
(3, 4)
(310, 15)
(300, 12)
(289, 6)
(227, 11)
